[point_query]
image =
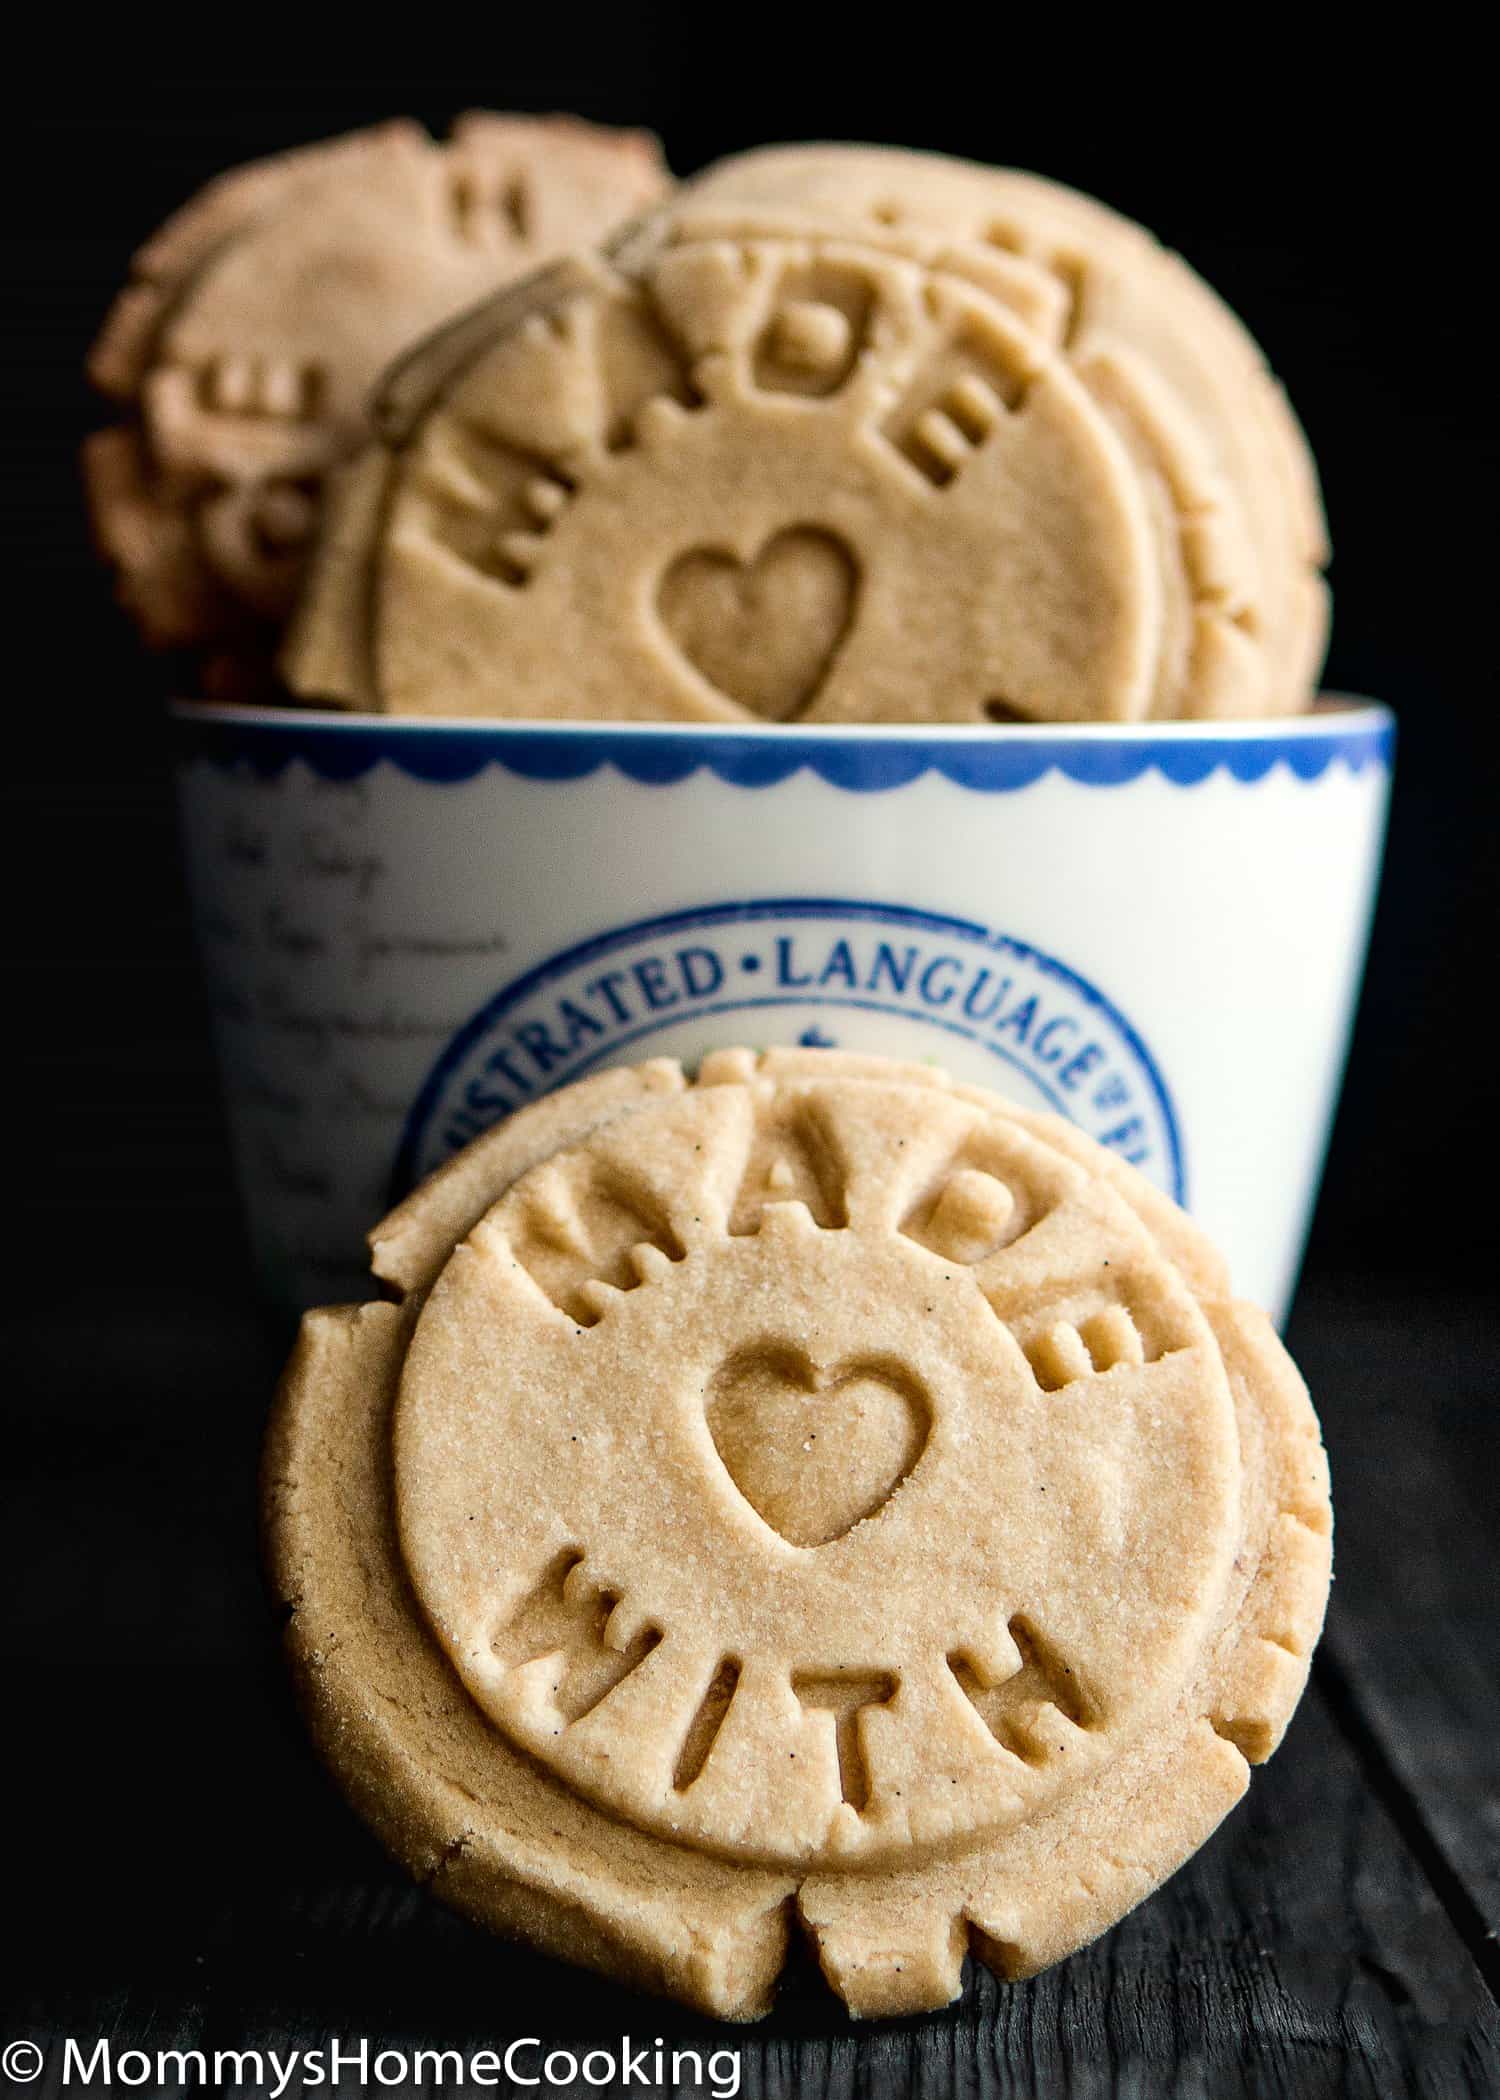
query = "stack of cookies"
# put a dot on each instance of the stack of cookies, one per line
(834, 434)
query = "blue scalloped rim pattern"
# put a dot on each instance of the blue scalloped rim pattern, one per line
(439, 754)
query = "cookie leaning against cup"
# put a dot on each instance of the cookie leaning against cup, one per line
(792, 472)
(816, 1490)
(259, 317)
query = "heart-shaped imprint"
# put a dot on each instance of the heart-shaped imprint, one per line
(764, 632)
(815, 1452)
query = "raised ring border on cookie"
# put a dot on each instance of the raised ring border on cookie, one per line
(770, 1209)
(870, 759)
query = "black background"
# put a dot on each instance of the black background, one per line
(1300, 190)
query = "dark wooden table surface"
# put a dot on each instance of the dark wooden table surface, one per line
(183, 1877)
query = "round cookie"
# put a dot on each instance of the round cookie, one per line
(797, 479)
(1134, 319)
(811, 1490)
(259, 317)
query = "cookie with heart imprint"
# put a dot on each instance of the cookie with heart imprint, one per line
(764, 631)
(815, 1448)
(259, 317)
(812, 1489)
(1134, 321)
(790, 474)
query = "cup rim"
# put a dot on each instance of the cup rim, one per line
(1333, 716)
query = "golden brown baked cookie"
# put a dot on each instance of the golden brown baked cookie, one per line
(258, 318)
(1151, 340)
(813, 1491)
(802, 464)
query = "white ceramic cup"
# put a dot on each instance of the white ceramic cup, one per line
(410, 928)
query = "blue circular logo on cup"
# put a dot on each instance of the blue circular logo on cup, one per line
(816, 971)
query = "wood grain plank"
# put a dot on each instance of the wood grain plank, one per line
(1302, 1952)
(1411, 1414)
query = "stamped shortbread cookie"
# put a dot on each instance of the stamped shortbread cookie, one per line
(803, 465)
(1139, 326)
(259, 317)
(816, 1492)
